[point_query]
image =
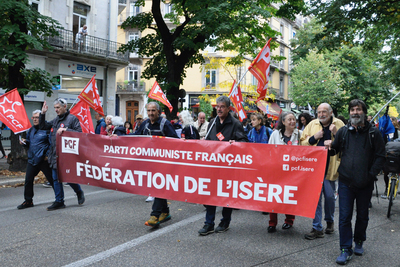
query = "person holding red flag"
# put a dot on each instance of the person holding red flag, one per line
(63, 122)
(287, 134)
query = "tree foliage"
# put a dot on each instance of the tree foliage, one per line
(23, 28)
(315, 81)
(360, 70)
(237, 25)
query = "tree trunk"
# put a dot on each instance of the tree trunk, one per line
(19, 158)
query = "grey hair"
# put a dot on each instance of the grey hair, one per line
(154, 103)
(60, 101)
(109, 116)
(36, 111)
(186, 118)
(224, 99)
(117, 121)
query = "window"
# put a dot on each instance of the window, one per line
(35, 4)
(134, 36)
(167, 8)
(211, 79)
(134, 10)
(293, 34)
(282, 54)
(281, 86)
(133, 73)
(281, 31)
(80, 14)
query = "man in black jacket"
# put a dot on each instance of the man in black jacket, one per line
(224, 128)
(362, 157)
(63, 122)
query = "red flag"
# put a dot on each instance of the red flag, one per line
(13, 113)
(82, 111)
(93, 98)
(157, 94)
(260, 69)
(237, 100)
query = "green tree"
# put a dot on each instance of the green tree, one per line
(315, 81)
(237, 25)
(23, 28)
(205, 105)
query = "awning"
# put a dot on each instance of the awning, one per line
(272, 109)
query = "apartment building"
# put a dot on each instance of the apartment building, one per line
(131, 89)
(76, 59)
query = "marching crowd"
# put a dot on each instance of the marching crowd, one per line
(356, 156)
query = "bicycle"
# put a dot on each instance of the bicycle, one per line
(392, 190)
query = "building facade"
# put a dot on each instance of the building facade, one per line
(76, 58)
(131, 90)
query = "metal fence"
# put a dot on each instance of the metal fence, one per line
(90, 45)
(130, 87)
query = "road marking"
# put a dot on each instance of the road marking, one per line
(51, 201)
(135, 242)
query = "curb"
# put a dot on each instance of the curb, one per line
(11, 181)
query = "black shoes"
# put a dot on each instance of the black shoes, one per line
(286, 226)
(206, 230)
(329, 228)
(222, 227)
(25, 205)
(56, 206)
(81, 197)
(271, 229)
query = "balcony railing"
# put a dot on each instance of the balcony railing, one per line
(126, 14)
(89, 45)
(130, 87)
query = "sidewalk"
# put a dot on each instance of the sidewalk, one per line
(9, 178)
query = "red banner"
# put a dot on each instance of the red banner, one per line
(81, 110)
(91, 96)
(157, 94)
(272, 178)
(13, 113)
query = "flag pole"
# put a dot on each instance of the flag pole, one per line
(212, 125)
(73, 104)
(387, 103)
(237, 84)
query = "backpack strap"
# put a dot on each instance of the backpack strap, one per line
(163, 120)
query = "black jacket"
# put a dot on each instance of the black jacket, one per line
(362, 156)
(231, 129)
(63, 121)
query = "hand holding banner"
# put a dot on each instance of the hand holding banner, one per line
(13, 113)
(157, 94)
(82, 111)
(91, 96)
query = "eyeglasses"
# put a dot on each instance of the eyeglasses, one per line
(35, 118)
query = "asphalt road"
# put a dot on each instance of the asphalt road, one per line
(109, 230)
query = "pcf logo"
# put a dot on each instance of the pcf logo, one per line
(70, 145)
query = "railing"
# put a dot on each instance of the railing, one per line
(90, 45)
(130, 87)
(122, 2)
(124, 15)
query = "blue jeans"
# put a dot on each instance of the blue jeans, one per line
(347, 195)
(160, 205)
(210, 215)
(328, 189)
(58, 187)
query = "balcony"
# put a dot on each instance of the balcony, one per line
(126, 14)
(87, 45)
(130, 87)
